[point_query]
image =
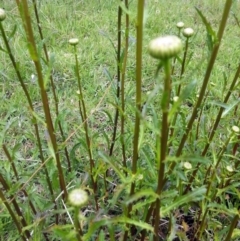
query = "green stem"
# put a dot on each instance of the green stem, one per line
(118, 78)
(163, 140)
(123, 88)
(139, 38)
(52, 82)
(77, 225)
(23, 8)
(34, 121)
(232, 227)
(12, 214)
(205, 81)
(83, 113)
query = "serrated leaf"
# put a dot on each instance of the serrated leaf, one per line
(140, 194)
(196, 195)
(211, 34)
(229, 108)
(123, 7)
(114, 221)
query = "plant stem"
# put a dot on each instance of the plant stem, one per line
(139, 39)
(34, 121)
(83, 113)
(77, 225)
(23, 8)
(52, 82)
(205, 81)
(232, 227)
(12, 214)
(119, 66)
(123, 88)
(163, 140)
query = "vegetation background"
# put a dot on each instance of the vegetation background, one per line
(89, 117)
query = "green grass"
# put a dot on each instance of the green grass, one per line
(120, 197)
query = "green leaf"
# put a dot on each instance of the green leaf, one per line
(229, 108)
(144, 193)
(123, 7)
(236, 233)
(113, 165)
(196, 195)
(118, 220)
(211, 34)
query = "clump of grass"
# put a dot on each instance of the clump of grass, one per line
(161, 165)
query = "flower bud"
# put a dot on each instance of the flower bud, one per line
(180, 25)
(187, 165)
(2, 14)
(188, 32)
(73, 41)
(78, 197)
(165, 47)
(175, 98)
(235, 129)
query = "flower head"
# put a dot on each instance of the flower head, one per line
(180, 25)
(165, 47)
(188, 32)
(2, 14)
(73, 41)
(78, 197)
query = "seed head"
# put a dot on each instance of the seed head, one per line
(2, 14)
(165, 47)
(180, 25)
(78, 197)
(188, 32)
(73, 41)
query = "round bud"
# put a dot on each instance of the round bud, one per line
(73, 41)
(175, 98)
(187, 165)
(2, 14)
(165, 47)
(78, 197)
(230, 168)
(235, 129)
(188, 32)
(180, 25)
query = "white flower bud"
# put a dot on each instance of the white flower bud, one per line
(78, 197)
(2, 14)
(235, 129)
(165, 47)
(73, 41)
(188, 32)
(180, 25)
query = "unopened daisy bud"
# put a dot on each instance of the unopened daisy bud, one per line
(188, 32)
(73, 41)
(165, 47)
(2, 14)
(235, 129)
(78, 197)
(187, 165)
(230, 168)
(180, 25)
(175, 98)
